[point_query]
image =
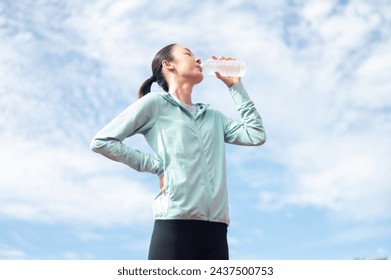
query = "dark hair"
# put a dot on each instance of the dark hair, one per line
(157, 73)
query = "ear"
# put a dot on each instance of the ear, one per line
(167, 64)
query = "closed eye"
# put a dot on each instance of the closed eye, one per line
(188, 52)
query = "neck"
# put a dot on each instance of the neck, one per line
(182, 92)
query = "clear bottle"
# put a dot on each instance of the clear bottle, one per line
(232, 68)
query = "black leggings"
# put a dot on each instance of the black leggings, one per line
(188, 240)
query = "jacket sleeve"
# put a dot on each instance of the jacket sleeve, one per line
(250, 131)
(137, 118)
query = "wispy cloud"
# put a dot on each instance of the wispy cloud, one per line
(6, 252)
(51, 184)
(333, 126)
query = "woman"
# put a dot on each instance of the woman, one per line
(191, 208)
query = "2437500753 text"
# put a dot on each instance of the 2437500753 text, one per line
(237, 270)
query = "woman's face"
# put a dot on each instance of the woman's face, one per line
(186, 64)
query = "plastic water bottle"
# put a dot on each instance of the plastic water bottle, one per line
(231, 68)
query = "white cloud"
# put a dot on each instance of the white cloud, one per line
(6, 252)
(51, 184)
(373, 77)
(52, 98)
(315, 10)
(343, 175)
(360, 233)
(326, 113)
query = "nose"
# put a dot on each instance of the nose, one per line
(198, 60)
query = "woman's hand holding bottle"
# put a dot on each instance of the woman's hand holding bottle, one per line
(228, 80)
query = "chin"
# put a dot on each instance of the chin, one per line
(199, 79)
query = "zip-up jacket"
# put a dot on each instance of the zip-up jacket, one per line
(189, 150)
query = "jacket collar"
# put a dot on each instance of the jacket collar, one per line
(201, 106)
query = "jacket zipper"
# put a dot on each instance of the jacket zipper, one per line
(204, 171)
(203, 163)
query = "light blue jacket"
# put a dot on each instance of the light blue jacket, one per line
(189, 150)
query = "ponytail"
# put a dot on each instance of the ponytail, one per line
(145, 88)
(164, 54)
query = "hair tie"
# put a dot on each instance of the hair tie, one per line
(153, 78)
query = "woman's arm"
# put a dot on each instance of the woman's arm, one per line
(137, 118)
(251, 131)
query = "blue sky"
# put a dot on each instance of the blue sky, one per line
(318, 71)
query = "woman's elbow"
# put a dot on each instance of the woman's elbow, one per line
(260, 140)
(96, 145)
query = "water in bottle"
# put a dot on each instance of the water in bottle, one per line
(232, 68)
